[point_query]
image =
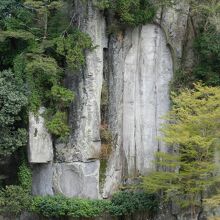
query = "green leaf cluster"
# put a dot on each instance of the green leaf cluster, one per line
(13, 100)
(14, 200)
(130, 202)
(40, 52)
(57, 124)
(25, 176)
(121, 204)
(188, 171)
(207, 46)
(129, 12)
(59, 206)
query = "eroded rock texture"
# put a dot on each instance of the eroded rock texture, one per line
(40, 142)
(139, 97)
(141, 63)
(75, 169)
(138, 65)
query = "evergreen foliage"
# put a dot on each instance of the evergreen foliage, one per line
(25, 176)
(12, 101)
(129, 12)
(207, 46)
(186, 173)
(14, 200)
(40, 53)
(122, 204)
(130, 202)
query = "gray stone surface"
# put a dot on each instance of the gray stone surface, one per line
(42, 179)
(40, 148)
(77, 179)
(140, 65)
(85, 142)
(174, 21)
(141, 72)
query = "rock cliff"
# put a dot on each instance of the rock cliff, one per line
(138, 65)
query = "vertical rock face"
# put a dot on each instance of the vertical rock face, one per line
(40, 142)
(174, 21)
(140, 65)
(75, 170)
(145, 69)
(85, 113)
(42, 180)
(148, 70)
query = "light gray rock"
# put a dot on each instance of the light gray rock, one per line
(140, 64)
(142, 68)
(42, 177)
(85, 142)
(77, 179)
(40, 148)
(174, 22)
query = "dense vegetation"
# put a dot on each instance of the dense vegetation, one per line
(16, 199)
(39, 45)
(189, 169)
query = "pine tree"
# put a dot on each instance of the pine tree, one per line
(188, 170)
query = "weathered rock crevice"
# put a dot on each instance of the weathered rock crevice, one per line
(135, 67)
(139, 75)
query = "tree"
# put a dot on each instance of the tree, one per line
(43, 9)
(39, 42)
(188, 171)
(12, 101)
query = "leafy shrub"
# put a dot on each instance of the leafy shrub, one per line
(122, 203)
(62, 96)
(208, 50)
(57, 124)
(12, 102)
(72, 48)
(40, 52)
(25, 176)
(14, 200)
(129, 202)
(129, 12)
(61, 206)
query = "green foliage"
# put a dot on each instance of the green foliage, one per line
(25, 176)
(14, 200)
(62, 96)
(12, 98)
(12, 102)
(128, 202)
(42, 74)
(72, 48)
(207, 46)
(58, 206)
(122, 203)
(40, 51)
(129, 12)
(11, 140)
(57, 124)
(193, 133)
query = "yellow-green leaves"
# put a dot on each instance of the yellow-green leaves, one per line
(192, 134)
